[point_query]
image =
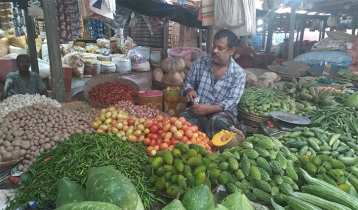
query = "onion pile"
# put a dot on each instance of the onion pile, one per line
(32, 130)
(16, 102)
(138, 111)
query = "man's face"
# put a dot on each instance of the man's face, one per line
(23, 64)
(221, 53)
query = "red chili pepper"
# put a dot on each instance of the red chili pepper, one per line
(110, 93)
(47, 159)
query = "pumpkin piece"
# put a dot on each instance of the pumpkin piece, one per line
(176, 79)
(196, 55)
(172, 64)
(158, 74)
(182, 74)
(271, 75)
(226, 140)
(188, 63)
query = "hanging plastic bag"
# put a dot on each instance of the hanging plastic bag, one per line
(227, 14)
(136, 55)
(154, 24)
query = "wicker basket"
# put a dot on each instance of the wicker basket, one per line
(258, 72)
(339, 35)
(282, 70)
(299, 66)
(99, 79)
(4, 166)
(249, 119)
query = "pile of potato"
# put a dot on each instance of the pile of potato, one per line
(32, 130)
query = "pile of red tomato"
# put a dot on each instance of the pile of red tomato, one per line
(166, 132)
(159, 134)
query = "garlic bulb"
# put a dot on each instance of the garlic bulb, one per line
(16, 102)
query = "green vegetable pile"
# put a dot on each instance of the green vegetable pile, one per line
(73, 158)
(345, 76)
(336, 119)
(261, 167)
(260, 102)
(341, 97)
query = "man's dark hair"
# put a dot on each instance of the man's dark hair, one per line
(231, 38)
(21, 56)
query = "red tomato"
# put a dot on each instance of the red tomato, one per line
(173, 129)
(182, 132)
(164, 146)
(154, 137)
(160, 132)
(147, 123)
(168, 141)
(166, 127)
(200, 133)
(130, 121)
(188, 142)
(146, 141)
(184, 127)
(188, 124)
(156, 148)
(159, 118)
(162, 135)
(189, 133)
(152, 153)
(159, 141)
(154, 129)
(160, 125)
(210, 144)
(194, 128)
(149, 135)
(166, 119)
(182, 120)
(168, 135)
(173, 142)
(195, 135)
(178, 135)
(193, 140)
(155, 122)
(149, 148)
(171, 147)
(173, 119)
(153, 143)
(184, 139)
(178, 124)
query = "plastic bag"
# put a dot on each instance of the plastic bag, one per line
(335, 58)
(330, 44)
(76, 61)
(128, 45)
(227, 14)
(154, 24)
(103, 43)
(141, 67)
(44, 69)
(136, 55)
(182, 52)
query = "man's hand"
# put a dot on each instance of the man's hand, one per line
(201, 109)
(191, 95)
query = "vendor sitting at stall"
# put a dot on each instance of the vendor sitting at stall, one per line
(217, 83)
(23, 81)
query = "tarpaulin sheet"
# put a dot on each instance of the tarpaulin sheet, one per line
(161, 9)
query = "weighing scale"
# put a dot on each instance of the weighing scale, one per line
(282, 122)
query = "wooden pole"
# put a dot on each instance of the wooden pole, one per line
(31, 36)
(166, 40)
(292, 31)
(303, 27)
(200, 42)
(270, 19)
(209, 39)
(324, 29)
(53, 43)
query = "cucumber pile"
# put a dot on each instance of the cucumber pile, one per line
(260, 102)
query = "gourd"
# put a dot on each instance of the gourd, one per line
(188, 63)
(172, 64)
(198, 198)
(353, 100)
(182, 74)
(225, 140)
(158, 74)
(237, 201)
(108, 185)
(196, 55)
(174, 78)
(89, 205)
(69, 191)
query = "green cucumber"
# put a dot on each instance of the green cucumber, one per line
(320, 202)
(313, 144)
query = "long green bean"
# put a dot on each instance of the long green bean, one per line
(73, 158)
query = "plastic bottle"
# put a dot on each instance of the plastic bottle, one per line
(242, 127)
